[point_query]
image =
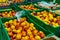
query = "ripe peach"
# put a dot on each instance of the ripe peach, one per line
(29, 32)
(37, 37)
(18, 31)
(55, 19)
(11, 38)
(34, 28)
(30, 28)
(22, 38)
(21, 28)
(47, 17)
(12, 27)
(3, 14)
(14, 36)
(35, 32)
(14, 23)
(7, 14)
(8, 29)
(56, 24)
(6, 24)
(11, 21)
(23, 33)
(34, 13)
(10, 33)
(18, 36)
(9, 25)
(28, 7)
(41, 34)
(31, 25)
(14, 30)
(32, 39)
(38, 13)
(17, 26)
(23, 24)
(58, 21)
(13, 14)
(26, 38)
(22, 19)
(26, 26)
(31, 36)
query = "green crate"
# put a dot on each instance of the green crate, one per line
(42, 7)
(0, 31)
(54, 1)
(48, 0)
(18, 6)
(14, 7)
(2, 10)
(40, 22)
(7, 18)
(4, 32)
(57, 1)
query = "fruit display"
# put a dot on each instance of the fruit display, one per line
(4, 4)
(7, 14)
(48, 18)
(49, 5)
(28, 7)
(17, 1)
(3, 0)
(22, 30)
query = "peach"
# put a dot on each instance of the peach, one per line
(14, 23)
(14, 36)
(18, 36)
(8, 14)
(11, 21)
(28, 7)
(12, 27)
(14, 30)
(41, 34)
(22, 20)
(22, 38)
(29, 32)
(47, 17)
(8, 29)
(37, 37)
(32, 38)
(26, 38)
(23, 33)
(17, 26)
(23, 30)
(35, 32)
(6, 24)
(10, 33)
(31, 25)
(18, 31)
(23, 24)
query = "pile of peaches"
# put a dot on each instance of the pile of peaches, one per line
(22, 30)
(48, 18)
(17, 1)
(28, 7)
(7, 14)
(4, 4)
